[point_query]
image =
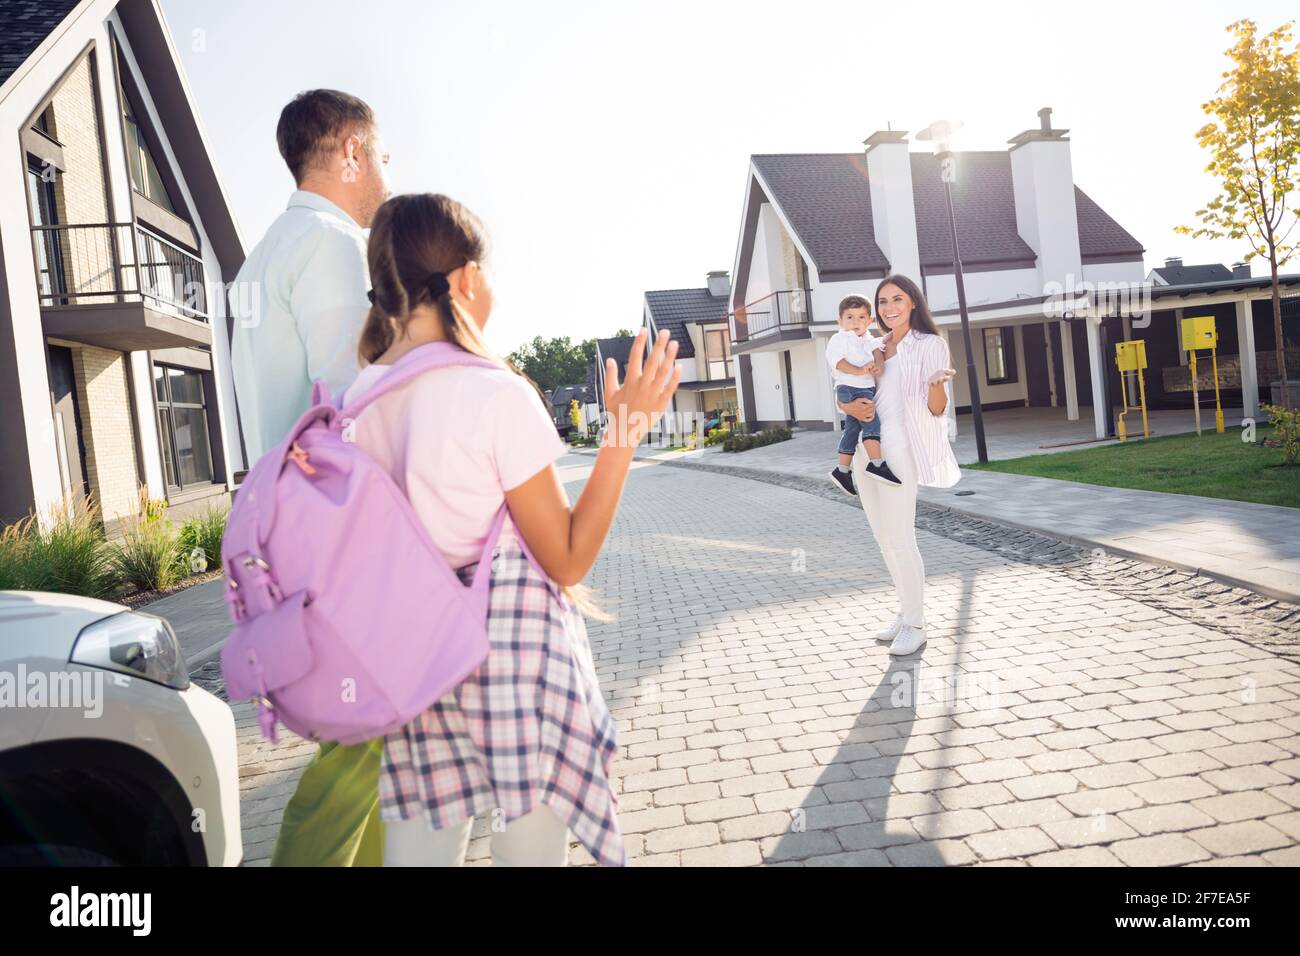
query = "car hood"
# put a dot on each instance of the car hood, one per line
(39, 624)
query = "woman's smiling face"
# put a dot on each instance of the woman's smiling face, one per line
(893, 306)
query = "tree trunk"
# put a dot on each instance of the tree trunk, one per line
(1280, 342)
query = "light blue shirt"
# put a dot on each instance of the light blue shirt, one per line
(297, 308)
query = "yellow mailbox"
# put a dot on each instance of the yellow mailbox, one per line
(1132, 357)
(1199, 333)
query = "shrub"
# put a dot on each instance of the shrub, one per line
(66, 553)
(768, 436)
(1286, 423)
(199, 542)
(148, 557)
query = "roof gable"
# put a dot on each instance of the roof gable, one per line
(674, 309)
(826, 199)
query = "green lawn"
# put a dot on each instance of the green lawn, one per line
(1213, 465)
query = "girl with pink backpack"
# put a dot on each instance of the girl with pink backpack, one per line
(527, 736)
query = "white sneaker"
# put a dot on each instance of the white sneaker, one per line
(909, 640)
(888, 634)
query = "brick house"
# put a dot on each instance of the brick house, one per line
(114, 358)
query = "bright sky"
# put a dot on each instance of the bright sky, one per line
(606, 145)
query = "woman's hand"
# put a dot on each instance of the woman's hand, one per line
(642, 397)
(863, 409)
(937, 393)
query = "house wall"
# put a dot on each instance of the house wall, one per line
(222, 417)
(775, 258)
(115, 389)
(1002, 285)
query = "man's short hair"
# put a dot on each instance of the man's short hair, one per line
(314, 122)
(854, 302)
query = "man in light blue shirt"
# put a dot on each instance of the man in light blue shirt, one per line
(298, 304)
(299, 300)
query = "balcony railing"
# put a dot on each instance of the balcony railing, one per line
(775, 313)
(117, 262)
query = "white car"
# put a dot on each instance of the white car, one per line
(108, 755)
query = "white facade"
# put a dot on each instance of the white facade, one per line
(96, 34)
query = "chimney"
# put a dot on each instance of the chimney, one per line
(1241, 270)
(1174, 262)
(1042, 180)
(719, 283)
(893, 209)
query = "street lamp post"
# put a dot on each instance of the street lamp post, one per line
(940, 132)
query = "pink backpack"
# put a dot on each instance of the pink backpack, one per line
(348, 621)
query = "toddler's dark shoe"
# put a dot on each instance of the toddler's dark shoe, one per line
(881, 472)
(844, 481)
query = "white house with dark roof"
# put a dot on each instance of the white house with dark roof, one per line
(817, 227)
(116, 241)
(698, 321)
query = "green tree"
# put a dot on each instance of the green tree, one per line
(1254, 144)
(555, 362)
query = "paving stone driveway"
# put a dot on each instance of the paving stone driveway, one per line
(1047, 722)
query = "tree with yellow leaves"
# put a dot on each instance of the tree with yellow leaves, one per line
(1254, 145)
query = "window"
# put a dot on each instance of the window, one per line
(145, 178)
(1000, 356)
(45, 212)
(717, 353)
(182, 426)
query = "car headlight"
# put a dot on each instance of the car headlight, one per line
(141, 645)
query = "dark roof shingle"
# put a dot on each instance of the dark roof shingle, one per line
(828, 202)
(1186, 275)
(24, 24)
(674, 309)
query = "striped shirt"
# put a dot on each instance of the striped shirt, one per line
(919, 355)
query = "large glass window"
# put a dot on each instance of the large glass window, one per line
(144, 171)
(1000, 356)
(717, 353)
(45, 212)
(183, 426)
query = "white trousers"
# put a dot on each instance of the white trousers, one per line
(539, 838)
(891, 512)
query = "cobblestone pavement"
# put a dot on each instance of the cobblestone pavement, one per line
(1068, 709)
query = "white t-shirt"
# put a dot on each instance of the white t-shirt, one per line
(858, 350)
(456, 440)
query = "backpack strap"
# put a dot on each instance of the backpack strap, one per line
(421, 359)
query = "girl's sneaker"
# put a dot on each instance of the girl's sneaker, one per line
(881, 472)
(843, 481)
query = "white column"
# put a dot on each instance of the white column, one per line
(1067, 366)
(1246, 355)
(1097, 370)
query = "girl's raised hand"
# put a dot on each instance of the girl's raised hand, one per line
(941, 376)
(644, 394)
